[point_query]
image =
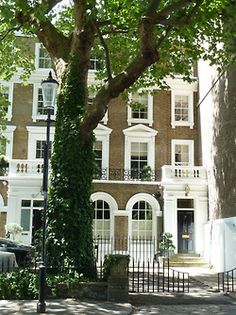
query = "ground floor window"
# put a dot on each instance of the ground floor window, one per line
(31, 216)
(101, 219)
(142, 220)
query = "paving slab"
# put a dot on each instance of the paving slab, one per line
(67, 306)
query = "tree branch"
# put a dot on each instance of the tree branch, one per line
(107, 55)
(50, 4)
(7, 32)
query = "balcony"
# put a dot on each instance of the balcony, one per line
(34, 168)
(173, 173)
(22, 168)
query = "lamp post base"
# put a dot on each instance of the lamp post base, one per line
(41, 305)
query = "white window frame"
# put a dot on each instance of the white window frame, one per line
(190, 122)
(112, 205)
(189, 143)
(156, 211)
(10, 86)
(140, 133)
(37, 133)
(102, 134)
(35, 115)
(37, 47)
(149, 119)
(8, 134)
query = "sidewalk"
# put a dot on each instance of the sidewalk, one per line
(68, 307)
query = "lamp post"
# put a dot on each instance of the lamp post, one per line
(49, 91)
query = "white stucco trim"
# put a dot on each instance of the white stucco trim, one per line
(10, 86)
(37, 133)
(102, 133)
(140, 133)
(8, 134)
(112, 204)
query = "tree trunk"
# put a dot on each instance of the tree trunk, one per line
(70, 215)
(223, 189)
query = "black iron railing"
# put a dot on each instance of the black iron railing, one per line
(139, 249)
(148, 276)
(227, 281)
(128, 175)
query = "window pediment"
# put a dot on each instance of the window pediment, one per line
(140, 130)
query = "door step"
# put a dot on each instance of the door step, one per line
(188, 260)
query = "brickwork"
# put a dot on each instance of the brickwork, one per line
(121, 227)
(3, 216)
(123, 192)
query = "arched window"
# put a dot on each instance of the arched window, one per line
(101, 219)
(142, 220)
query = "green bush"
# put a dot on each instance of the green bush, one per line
(23, 284)
(18, 284)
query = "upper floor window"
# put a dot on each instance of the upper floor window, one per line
(101, 151)
(39, 112)
(6, 144)
(138, 158)
(40, 146)
(182, 152)
(140, 109)
(139, 152)
(36, 141)
(6, 93)
(98, 157)
(43, 60)
(182, 109)
(94, 63)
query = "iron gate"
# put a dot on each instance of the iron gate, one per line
(152, 276)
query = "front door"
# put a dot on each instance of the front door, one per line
(36, 224)
(185, 231)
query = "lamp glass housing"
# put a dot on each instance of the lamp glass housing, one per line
(49, 90)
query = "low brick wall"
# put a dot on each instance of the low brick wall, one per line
(118, 284)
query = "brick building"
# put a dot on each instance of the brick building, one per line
(149, 174)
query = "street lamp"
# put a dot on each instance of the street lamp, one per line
(49, 91)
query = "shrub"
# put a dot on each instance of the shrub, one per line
(18, 284)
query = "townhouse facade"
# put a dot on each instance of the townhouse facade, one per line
(149, 177)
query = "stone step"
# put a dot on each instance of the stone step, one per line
(188, 260)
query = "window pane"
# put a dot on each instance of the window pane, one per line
(44, 58)
(181, 107)
(25, 203)
(99, 214)
(182, 154)
(38, 203)
(185, 203)
(25, 219)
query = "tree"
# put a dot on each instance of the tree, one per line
(138, 43)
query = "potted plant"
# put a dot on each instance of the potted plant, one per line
(166, 245)
(13, 229)
(3, 165)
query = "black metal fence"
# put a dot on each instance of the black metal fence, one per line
(139, 249)
(227, 281)
(153, 277)
(128, 175)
